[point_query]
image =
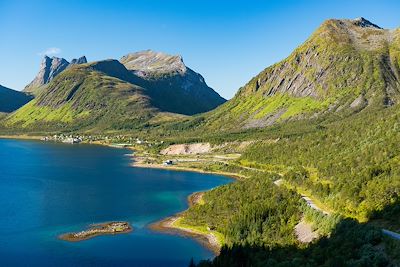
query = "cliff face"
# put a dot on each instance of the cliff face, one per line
(49, 69)
(171, 85)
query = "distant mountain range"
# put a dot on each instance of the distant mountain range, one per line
(143, 88)
(11, 100)
(343, 68)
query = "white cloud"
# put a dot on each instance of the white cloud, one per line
(50, 51)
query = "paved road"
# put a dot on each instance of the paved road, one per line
(313, 205)
(391, 234)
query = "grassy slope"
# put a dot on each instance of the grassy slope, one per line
(85, 99)
(323, 76)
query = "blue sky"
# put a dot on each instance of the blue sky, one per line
(228, 42)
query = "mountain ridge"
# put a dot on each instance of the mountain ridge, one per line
(86, 95)
(345, 66)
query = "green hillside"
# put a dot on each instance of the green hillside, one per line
(346, 66)
(106, 96)
(326, 122)
(88, 97)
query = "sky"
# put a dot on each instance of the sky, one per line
(228, 42)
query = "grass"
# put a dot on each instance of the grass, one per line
(199, 230)
(31, 113)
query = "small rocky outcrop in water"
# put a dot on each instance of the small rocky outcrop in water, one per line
(98, 229)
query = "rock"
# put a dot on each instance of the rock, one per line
(49, 69)
(361, 22)
(359, 102)
(81, 60)
(171, 82)
(149, 63)
(304, 232)
(187, 149)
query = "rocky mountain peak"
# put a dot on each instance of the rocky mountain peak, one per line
(149, 62)
(81, 60)
(49, 69)
(362, 22)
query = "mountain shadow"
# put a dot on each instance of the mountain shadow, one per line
(11, 100)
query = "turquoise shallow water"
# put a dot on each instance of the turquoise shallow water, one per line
(47, 189)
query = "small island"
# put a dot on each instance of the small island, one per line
(98, 229)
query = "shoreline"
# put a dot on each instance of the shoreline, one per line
(168, 226)
(136, 164)
(165, 225)
(21, 137)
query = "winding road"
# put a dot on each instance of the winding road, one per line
(314, 206)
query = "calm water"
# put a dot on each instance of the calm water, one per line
(47, 189)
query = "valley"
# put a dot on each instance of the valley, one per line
(312, 141)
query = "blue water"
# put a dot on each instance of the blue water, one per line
(47, 189)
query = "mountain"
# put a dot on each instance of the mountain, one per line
(105, 95)
(173, 86)
(345, 67)
(89, 96)
(11, 100)
(49, 69)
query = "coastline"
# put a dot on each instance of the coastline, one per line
(169, 226)
(21, 137)
(137, 164)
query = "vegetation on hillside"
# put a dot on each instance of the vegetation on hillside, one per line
(326, 121)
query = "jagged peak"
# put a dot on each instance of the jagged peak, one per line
(362, 22)
(80, 60)
(50, 68)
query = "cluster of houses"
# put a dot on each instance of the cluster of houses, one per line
(118, 140)
(70, 139)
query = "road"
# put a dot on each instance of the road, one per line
(311, 204)
(391, 234)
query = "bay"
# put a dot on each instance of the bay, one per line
(47, 189)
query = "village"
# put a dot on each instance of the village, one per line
(115, 141)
